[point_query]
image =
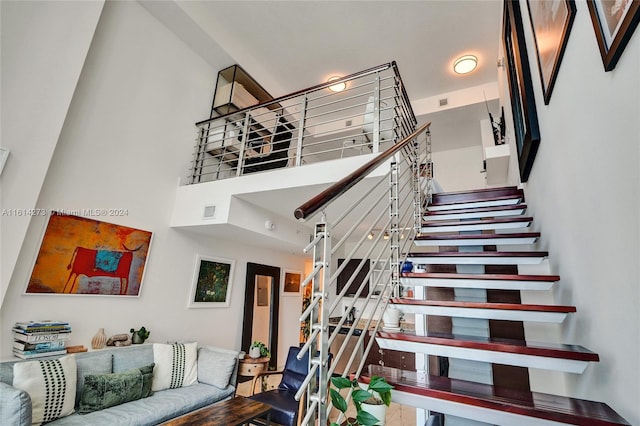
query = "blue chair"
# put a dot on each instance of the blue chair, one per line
(286, 410)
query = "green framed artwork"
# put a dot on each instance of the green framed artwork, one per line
(212, 279)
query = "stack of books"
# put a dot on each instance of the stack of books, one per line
(35, 339)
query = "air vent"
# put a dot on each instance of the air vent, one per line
(348, 123)
(444, 102)
(209, 212)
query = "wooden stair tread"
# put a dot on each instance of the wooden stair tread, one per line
(513, 346)
(488, 194)
(483, 305)
(505, 277)
(550, 407)
(477, 222)
(480, 254)
(488, 210)
(479, 236)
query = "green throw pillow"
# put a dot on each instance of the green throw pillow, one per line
(106, 390)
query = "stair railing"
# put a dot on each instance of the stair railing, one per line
(308, 126)
(366, 223)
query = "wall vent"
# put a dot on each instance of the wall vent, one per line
(444, 102)
(348, 123)
(209, 212)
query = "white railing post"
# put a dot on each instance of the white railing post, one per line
(243, 143)
(376, 115)
(394, 260)
(301, 126)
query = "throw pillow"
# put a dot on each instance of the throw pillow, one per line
(176, 365)
(93, 363)
(106, 390)
(51, 384)
(147, 380)
(215, 366)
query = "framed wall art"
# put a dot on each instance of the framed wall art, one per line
(613, 22)
(523, 104)
(551, 22)
(79, 255)
(291, 283)
(212, 282)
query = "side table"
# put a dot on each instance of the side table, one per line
(253, 366)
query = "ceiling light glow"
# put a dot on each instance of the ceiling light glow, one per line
(337, 87)
(465, 64)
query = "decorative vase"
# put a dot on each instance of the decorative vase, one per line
(99, 340)
(136, 339)
(377, 411)
(254, 352)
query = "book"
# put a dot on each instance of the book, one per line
(37, 324)
(43, 329)
(39, 355)
(40, 337)
(23, 346)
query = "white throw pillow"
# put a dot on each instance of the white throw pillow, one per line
(215, 366)
(51, 384)
(176, 365)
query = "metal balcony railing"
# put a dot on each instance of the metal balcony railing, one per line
(367, 221)
(305, 127)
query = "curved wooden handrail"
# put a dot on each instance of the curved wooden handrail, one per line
(346, 183)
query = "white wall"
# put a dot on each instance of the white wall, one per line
(584, 192)
(38, 80)
(459, 169)
(126, 141)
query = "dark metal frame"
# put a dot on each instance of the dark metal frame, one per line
(523, 104)
(547, 86)
(611, 54)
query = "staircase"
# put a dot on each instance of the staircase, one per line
(468, 227)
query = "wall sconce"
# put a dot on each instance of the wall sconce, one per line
(385, 235)
(500, 63)
(371, 235)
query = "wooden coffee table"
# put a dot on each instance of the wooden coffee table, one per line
(233, 412)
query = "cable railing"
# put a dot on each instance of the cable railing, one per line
(306, 127)
(367, 222)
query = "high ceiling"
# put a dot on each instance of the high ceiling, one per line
(291, 45)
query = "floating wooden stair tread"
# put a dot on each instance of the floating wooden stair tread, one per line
(477, 225)
(490, 281)
(477, 239)
(491, 404)
(499, 311)
(549, 356)
(476, 199)
(479, 258)
(477, 213)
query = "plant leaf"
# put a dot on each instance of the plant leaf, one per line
(341, 382)
(366, 419)
(360, 395)
(337, 400)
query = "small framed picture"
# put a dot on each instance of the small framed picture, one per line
(291, 283)
(212, 282)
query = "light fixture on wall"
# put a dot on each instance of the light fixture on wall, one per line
(371, 235)
(465, 64)
(385, 235)
(339, 87)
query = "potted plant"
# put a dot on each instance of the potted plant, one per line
(139, 336)
(258, 350)
(376, 398)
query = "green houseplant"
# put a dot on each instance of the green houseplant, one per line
(377, 393)
(139, 336)
(264, 351)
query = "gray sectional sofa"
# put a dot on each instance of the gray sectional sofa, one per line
(15, 404)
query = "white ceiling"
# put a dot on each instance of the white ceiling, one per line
(291, 45)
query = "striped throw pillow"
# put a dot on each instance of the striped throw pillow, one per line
(176, 365)
(51, 384)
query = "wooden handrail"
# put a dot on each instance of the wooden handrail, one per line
(309, 89)
(346, 183)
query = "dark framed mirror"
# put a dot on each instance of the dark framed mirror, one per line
(261, 308)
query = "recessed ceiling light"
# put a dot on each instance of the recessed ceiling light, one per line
(465, 64)
(337, 87)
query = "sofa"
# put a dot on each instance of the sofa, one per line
(214, 379)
